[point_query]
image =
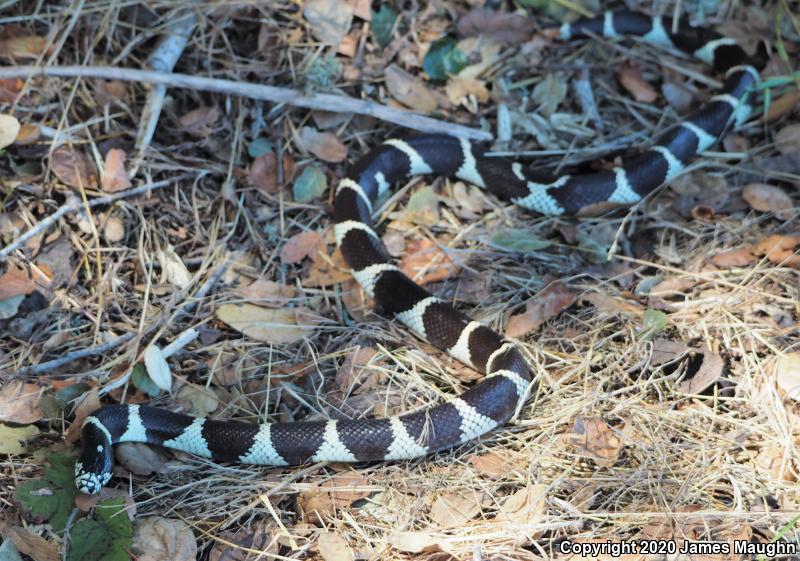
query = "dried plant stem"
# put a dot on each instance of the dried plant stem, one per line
(75, 204)
(324, 102)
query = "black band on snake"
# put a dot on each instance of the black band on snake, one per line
(494, 400)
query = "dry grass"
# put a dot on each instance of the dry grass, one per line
(695, 460)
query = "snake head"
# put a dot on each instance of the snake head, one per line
(93, 467)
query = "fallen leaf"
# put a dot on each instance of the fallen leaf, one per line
(338, 492)
(768, 198)
(426, 262)
(787, 375)
(459, 90)
(423, 207)
(502, 27)
(310, 184)
(141, 459)
(202, 401)
(173, 269)
(327, 270)
(323, 145)
(9, 129)
(773, 462)
(10, 89)
(15, 282)
(115, 178)
(73, 167)
(549, 93)
(409, 90)
(302, 245)
(783, 105)
(552, 300)
(740, 257)
(114, 230)
(278, 326)
(164, 539)
(198, 121)
(593, 438)
(333, 547)
(522, 514)
(498, 464)
(263, 173)
(779, 249)
(32, 544)
(157, 367)
(418, 542)
(19, 403)
(454, 509)
(678, 96)
(27, 47)
(357, 362)
(629, 75)
(787, 140)
(266, 293)
(330, 20)
(13, 440)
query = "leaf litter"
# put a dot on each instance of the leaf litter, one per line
(627, 436)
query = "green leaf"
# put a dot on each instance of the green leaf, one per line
(309, 185)
(653, 324)
(518, 240)
(444, 58)
(382, 24)
(646, 285)
(65, 396)
(259, 147)
(143, 381)
(106, 538)
(50, 499)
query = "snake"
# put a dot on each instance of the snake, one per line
(508, 380)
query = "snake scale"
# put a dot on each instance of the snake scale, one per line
(508, 379)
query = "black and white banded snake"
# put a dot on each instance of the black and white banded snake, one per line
(493, 401)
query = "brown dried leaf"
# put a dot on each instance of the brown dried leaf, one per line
(409, 90)
(327, 270)
(523, 511)
(302, 245)
(27, 47)
(498, 464)
(554, 299)
(768, 198)
(779, 249)
(115, 178)
(73, 167)
(323, 145)
(501, 27)
(418, 542)
(333, 547)
(359, 360)
(197, 122)
(31, 544)
(455, 509)
(19, 403)
(266, 293)
(740, 257)
(15, 282)
(773, 462)
(459, 89)
(787, 141)
(426, 262)
(279, 326)
(784, 105)
(263, 172)
(593, 438)
(114, 230)
(629, 75)
(164, 539)
(10, 89)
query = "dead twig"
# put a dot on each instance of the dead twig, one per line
(75, 204)
(323, 102)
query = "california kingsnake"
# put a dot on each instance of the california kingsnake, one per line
(494, 400)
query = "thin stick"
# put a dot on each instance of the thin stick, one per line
(324, 102)
(74, 205)
(43, 367)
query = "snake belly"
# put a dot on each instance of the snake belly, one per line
(508, 379)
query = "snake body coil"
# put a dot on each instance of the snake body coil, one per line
(495, 399)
